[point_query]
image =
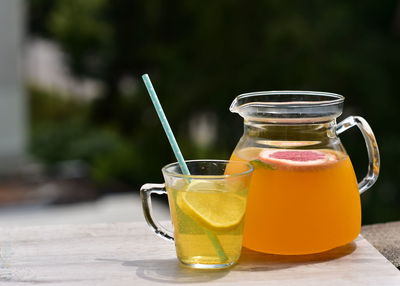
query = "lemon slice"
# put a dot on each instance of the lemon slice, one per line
(212, 206)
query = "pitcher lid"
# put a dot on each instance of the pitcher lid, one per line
(288, 106)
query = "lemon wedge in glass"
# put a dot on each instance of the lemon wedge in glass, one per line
(211, 205)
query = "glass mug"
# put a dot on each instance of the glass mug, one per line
(207, 210)
(304, 197)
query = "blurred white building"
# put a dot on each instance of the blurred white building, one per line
(27, 61)
(13, 111)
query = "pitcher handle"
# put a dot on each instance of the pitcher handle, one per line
(372, 149)
(145, 193)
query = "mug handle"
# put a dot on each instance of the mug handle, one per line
(145, 193)
(372, 149)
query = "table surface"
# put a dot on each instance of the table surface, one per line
(386, 238)
(130, 254)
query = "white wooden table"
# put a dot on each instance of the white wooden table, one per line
(129, 254)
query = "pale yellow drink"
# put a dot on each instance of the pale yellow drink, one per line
(208, 220)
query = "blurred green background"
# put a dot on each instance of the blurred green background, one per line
(200, 55)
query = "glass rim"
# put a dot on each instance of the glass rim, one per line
(331, 98)
(288, 106)
(215, 177)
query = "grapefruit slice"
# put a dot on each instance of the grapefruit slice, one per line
(297, 159)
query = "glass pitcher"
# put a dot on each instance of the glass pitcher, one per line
(304, 197)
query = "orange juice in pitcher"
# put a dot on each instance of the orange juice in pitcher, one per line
(303, 197)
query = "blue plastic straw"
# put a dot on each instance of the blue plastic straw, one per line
(165, 124)
(178, 154)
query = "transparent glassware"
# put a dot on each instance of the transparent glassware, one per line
(301, 207)
(207, 211)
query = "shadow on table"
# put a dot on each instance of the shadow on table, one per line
(170, 271)
(255, 261)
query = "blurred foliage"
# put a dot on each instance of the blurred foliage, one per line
(61, 132)
(201, 54)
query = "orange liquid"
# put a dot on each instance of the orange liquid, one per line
(301, 211)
